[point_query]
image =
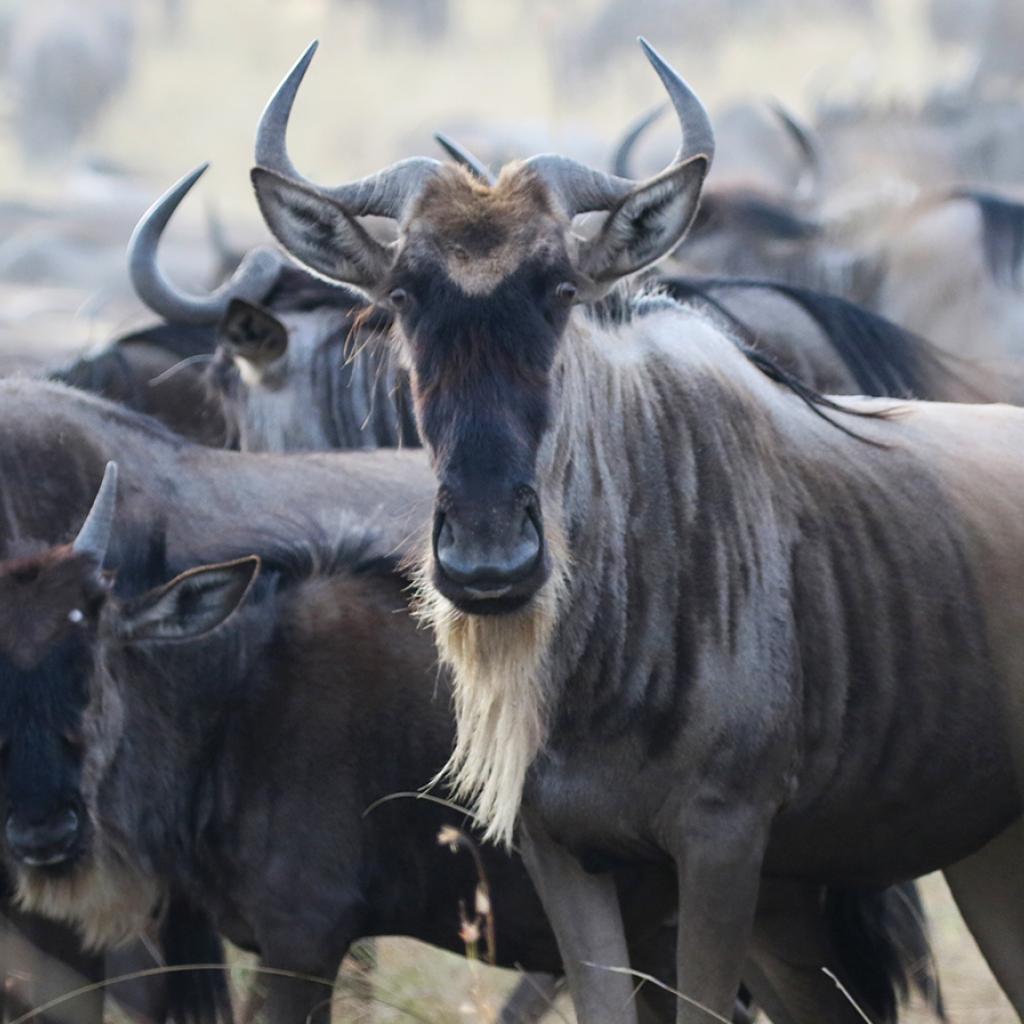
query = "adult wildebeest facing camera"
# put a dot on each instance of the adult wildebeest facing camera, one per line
(694, 618)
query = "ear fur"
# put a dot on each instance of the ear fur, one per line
(647, 225)
(320, 234)
(192, 604)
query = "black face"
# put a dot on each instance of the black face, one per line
(41, 709)
(481, 370)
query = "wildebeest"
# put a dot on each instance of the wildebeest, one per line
(691, 621)
(155, 371)
(67, 62)
(833, 346)
(952, 272)
(273, 323)
(942, 262)
(61, 438)
(258, 690)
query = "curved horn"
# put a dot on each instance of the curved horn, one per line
(583, 190)
(808, 184)
(384, 194)
(464, 158)
(623, 155)
(94, 537)
(254, 277)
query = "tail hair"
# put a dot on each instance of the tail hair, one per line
(187, 936)
(884, 953)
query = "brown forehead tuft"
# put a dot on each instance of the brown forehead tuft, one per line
(36, 595)
(481, 233)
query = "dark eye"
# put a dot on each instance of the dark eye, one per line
(566, 292)
(398, 297)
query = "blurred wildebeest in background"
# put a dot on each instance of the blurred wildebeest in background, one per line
(993, 29)
(827, 343)
(699, 29)
(158, 371)
(425, 21)
(296, 365)
(68, 61)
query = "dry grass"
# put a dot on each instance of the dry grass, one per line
(444, 988)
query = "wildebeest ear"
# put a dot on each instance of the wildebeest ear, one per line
(320, 234)
(648, 224)
(252, 332)
(192, 604)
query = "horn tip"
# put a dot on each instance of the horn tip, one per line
(659, 63)
(307, 55)
(196, 173)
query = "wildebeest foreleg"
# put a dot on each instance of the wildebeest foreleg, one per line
(719, 866)
(988, 888)
(584, 913)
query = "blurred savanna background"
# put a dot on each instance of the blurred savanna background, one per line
(105, 103)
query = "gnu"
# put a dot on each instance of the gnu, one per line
(696, 620)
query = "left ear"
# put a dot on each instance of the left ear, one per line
(647, 225)
(192, 604)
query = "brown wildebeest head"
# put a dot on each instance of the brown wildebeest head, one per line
(61, 631)
(483, 279)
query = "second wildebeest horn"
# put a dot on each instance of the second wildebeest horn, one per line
(94, 537)
(808, 184)
(464, 158)
(581, 189)
(253, 278)
(623, 156)
(384, 194)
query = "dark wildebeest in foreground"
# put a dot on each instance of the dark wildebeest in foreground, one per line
(692, 621)
(257, 690)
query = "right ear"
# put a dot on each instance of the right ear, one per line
(192, 604)
(321, 235)
(252, 332)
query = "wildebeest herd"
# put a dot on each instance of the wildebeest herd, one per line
(688, 599)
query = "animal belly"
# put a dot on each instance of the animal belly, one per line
(866, 842)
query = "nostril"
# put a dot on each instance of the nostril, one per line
(43, 842)
(527, 551)
(69, 827)
(445, 537)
